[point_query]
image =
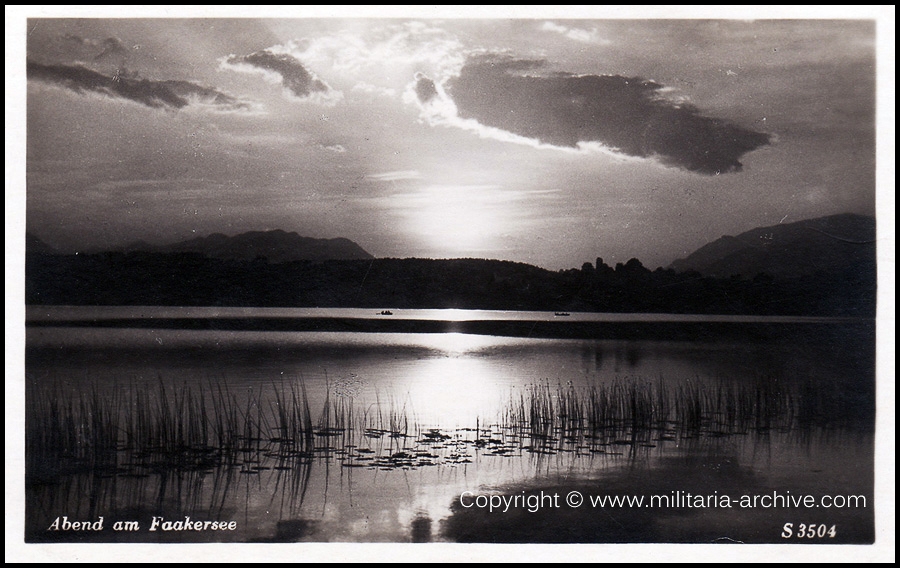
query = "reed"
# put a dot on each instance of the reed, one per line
(693, 407)
(195, 427)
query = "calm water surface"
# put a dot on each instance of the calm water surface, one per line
(459, 387)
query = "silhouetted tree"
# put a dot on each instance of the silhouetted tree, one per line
(151, 278)
(602, 268)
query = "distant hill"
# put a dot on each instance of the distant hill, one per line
(820, 267)
(35, 245)
(275, 246)
(834, 244)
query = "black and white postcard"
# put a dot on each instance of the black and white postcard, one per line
(341, 276)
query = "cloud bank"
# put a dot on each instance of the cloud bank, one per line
(298, 81)
(173, 95)
(629, 115)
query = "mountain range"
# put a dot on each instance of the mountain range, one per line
(826, 244)
(35, 245)
(831, 244)
(274, 246)
(820, 267)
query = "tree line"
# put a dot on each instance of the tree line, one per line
(145, 278)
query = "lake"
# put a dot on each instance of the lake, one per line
(350, 425)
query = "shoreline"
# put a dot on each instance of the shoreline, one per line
(681, 330)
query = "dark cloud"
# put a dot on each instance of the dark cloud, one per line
(294, 76)
(628, 114)
(155, 94)
(204, 95)
(425, 89)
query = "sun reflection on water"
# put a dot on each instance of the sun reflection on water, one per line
(457, 343)
(458, 386)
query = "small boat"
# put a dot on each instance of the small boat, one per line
(562, 314)
(387, 313)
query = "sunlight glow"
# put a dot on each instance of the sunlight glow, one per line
(457, 219)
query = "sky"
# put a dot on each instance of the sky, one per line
(542, 140)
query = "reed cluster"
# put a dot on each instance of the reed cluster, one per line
(643, 406)
(195, 427)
